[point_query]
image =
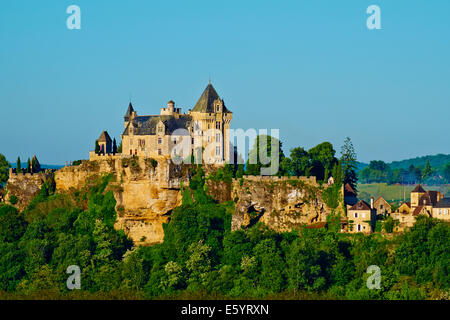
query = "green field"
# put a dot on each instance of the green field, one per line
(393, 193)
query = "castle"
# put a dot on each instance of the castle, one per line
(203, 129)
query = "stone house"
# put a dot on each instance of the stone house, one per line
(442, 209)
(382, 206)
(205, 128)
(361, 217)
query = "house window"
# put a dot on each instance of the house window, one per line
(356, 214)
(159, 140)
(159, 152)
(359, 227)
(381, 206)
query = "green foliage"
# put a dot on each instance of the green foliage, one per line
(4, 169)
(202, 257)
(266, 150)
(18, 165)
(13, 200)
(348, 160)
(97, 147)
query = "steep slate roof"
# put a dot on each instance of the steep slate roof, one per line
(205, 103)
(443, 203)
(146, 125)
(104, 137)
(425, 200)
(419, 188)
(361, 205)
(348, 190)
(418, 210)
(433, 196)
(129, 112)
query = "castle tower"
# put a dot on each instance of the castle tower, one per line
(212, 118)
(416, 194)
(105, 143)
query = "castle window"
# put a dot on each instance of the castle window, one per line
(159, 152)
(159, 140)
(217, 151)
(135, 152)
(131, 152)
(131, 142)
(217, 125)
(217, 137)
(192, 140)
(217, 109)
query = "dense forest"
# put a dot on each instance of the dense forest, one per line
(202, 258)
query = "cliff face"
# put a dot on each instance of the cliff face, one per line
(146, 191)
(281, 203)
(25, 187)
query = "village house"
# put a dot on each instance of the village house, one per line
(361, 217)
(382, 206)
(427, 203)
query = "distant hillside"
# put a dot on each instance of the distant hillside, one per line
(436, 161)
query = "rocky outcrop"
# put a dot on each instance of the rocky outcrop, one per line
(24, 187)
(146, 191)
(281, 203)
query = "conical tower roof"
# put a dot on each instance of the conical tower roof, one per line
(206, 102)
(130, 110)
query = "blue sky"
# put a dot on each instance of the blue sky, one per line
(310, 68)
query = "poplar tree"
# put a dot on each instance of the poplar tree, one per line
(348, 160)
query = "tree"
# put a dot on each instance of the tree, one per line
(446, 172)
(427, 171)
(97, 147)
(299, 164)
(324, 153)
(114, 146)
(19, 165)
(4, 169)
(348, 159)
(119, 148)
(255, 152)
(29, 165)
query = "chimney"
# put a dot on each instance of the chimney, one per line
(371, 203)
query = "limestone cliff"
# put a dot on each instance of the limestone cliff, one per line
(281, 203)
(146, 191)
